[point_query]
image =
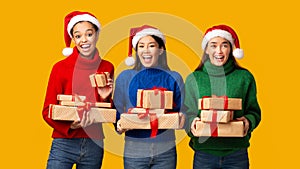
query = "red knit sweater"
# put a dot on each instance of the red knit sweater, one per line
(71, 76)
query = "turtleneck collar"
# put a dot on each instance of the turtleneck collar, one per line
(214, 70)
(83, 63)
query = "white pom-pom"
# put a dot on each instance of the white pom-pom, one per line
(238, 53)
(67, 51)
(129, 61)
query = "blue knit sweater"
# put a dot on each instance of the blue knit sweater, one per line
(125, 97)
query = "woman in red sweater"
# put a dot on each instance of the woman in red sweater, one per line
(77, 142)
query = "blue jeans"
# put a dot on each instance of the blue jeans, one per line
(236, 160)
(84, 152)
(144, 155)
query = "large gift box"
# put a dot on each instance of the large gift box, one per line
(99, 79)
(135, 121)
(230, 129)
(220, 103)
(70, 113)
(155, 99)
(219, 116)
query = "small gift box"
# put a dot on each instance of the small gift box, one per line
(220, 103)
(145, 110)
(164, 121)
(99, 79)
(75, 98)
(230, 129)
(74, 103)
(69, 113)
(155, 99)
(218, 116)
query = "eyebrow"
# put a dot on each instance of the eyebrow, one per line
(149, 43)
(85, 31)
(225, 42)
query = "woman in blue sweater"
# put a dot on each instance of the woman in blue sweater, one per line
(150, 70)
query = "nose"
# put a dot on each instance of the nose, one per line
(83, 38)
(218, 49)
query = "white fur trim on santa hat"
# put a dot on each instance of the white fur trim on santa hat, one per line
(216, 33)
(83, 17)
(146, 32)
(67, 51)
(238, 53)
(129, 61)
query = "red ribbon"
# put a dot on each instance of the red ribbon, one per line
(50, 110)
(153, 121)
(85, 108)
(214, 125)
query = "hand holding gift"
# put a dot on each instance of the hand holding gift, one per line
(193, 126)
(105, 91)
(246, 124)
(103, 82)
(84, 122)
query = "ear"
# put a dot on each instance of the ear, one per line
(97, 35)
(161, 51)
(206, 52)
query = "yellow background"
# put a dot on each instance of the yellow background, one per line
(32, 40)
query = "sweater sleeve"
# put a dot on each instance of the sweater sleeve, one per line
(191, 101)
(54, 87)
(252, 109)
(178, 92)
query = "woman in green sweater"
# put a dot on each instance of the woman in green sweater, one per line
(219, 74)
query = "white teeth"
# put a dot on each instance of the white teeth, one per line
(147, 57)
(219, 57)
(85, 46)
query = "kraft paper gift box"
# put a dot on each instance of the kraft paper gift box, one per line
(155, 99)
(99, 79)
(65, 97)
(221, 103)
(230, 129)
(165, 121)
(68, 113)
(78, 103)
(219, 116)
(145, 110)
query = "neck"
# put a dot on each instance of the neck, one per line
(214, 70)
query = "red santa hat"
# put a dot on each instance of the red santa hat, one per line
(226, 32)
(70, 20)
(136, 34)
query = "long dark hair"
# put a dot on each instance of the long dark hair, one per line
(162, 59)
(205, 57)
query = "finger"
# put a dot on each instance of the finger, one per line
(83, 120)
(182, 120)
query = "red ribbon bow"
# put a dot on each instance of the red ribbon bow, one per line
(153, 121)
(156, 90)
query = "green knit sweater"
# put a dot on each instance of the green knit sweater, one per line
(222, 80)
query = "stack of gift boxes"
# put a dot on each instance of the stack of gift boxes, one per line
(217, 117)
(150, 112)
(72, 107)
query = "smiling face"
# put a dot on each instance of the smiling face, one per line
(85, 38)
(148, 51)
(218, 49)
